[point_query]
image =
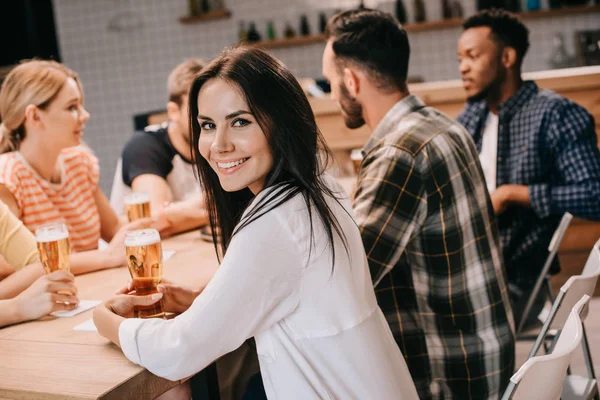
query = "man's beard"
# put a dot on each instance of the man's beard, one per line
(492, 89)
(352, 109)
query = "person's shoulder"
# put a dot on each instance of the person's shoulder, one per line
(550, 102)
(418, 130)
(11, 165)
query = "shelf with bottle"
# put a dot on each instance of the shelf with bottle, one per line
(429, 26)
(207, 16)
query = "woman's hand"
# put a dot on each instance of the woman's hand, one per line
(124, 304)
(115, 252)
(176, 299)
(41, 298)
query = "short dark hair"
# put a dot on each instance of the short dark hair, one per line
(373, 40)
(507, 29)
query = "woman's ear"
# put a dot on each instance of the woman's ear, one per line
(32, 115)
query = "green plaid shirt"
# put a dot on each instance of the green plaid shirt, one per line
(428, 228)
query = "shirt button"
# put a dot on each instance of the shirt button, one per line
(499, 158)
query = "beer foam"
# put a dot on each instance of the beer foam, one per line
(137, 198)
(46, 235)
(142, 237)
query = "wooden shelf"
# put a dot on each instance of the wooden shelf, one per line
(209, 16)
(559, 12)
(429, 26)
(288, 42)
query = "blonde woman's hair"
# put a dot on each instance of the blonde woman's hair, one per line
(181, 78)
(34, 82)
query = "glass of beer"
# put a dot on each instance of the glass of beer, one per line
(144, 260)
(53, 246)
(137, 205)
(356, 156)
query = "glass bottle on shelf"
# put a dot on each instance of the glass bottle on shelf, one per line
(400, 12)
(242, 33)
(204, 7)
(419, 11)
(304, 26)
(457, 9)
(193, 8)
(253, 35)
(289, 32)
(446, 9)
(533, 5)
(270, 30)
(322, 22)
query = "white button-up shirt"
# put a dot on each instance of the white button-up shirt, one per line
(319, 332)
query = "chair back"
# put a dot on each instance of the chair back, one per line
(542, 377)
(577, 286)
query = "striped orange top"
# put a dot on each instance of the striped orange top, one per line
(71, 201)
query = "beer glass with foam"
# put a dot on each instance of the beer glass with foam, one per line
(53, 246)
(137, 205)
(144, 260)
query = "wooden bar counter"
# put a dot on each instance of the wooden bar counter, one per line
(582, 85)
(47, 359)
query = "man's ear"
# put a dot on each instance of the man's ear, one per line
(509, 57)
(351, 81)
(173, 111)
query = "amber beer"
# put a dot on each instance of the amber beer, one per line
(356, 157)
(144, 260)
(53, 246)
(137, 205)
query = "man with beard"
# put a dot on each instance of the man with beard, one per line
(425, 216)
(538, 150)
(158, 161)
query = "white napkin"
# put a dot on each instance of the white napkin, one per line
(168, 254)
(84, 305)
(87, 326)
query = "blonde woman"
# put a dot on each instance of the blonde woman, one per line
(45, 176)
(35, 296)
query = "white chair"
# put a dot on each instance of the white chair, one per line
(544, 279)
(542, 377)
(576, 287)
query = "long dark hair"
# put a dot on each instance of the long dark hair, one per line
(299, 151)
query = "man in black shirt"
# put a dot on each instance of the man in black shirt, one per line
(158, 160)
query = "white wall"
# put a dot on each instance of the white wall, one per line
(124, 72)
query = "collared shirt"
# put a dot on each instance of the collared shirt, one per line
(549, 144)
(428, 228)
(319, 332)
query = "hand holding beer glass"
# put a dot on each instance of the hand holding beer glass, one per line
(137, 206)
(144, 259)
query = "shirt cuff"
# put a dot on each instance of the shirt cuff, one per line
(128, 332)
(541, 199)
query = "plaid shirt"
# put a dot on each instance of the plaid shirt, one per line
(428, 228)
(549, 144)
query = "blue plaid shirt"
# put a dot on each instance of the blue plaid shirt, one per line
(549, 144)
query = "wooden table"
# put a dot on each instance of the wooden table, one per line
(47, 359)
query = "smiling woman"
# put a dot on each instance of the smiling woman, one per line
(294, 272)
